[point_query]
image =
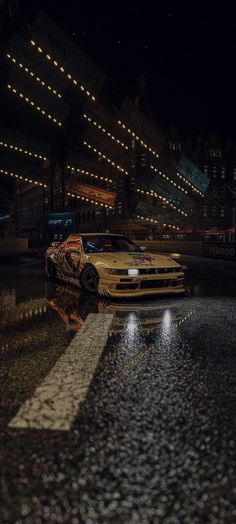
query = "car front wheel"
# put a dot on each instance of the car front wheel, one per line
(90, 279)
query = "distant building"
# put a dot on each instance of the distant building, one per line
(217, 159)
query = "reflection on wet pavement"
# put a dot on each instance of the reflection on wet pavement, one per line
(154, 440)
(73, 306)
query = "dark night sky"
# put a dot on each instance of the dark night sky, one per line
(185, 49)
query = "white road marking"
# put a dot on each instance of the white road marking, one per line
(56, 400)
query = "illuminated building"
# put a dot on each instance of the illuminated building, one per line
(78, 144)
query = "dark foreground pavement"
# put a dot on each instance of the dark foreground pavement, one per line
(154, 438)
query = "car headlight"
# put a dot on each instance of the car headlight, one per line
(133, 272)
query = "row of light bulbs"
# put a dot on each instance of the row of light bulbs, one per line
(165, 200)
(33, 104)
(20, 177)
(89, 200)
(21, 150)
(185, 318)
(33, 75)
(62, 69)
(34, 312)
(169, 179)
(153, 221)
(105, 158)
(133, 134)
(190, 184)
(92, 175)
(176, 185)
(53, 119)
(104, 130)
(36, 183)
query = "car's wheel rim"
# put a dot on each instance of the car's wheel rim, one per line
(90, 279)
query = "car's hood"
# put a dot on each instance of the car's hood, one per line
(129, 260)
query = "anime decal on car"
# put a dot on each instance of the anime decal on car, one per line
(141, 259)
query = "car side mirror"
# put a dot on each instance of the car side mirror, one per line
(143, 248)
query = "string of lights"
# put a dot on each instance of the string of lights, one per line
(153, 221)
(186, 317)
(20, 177)
(104, 130)
(25, 310)
(177, 185)
(88, 173)
(169, 180)
(190, 184)
(21, 150)
(89, 200)
(36, 312)
(163, 199)
(61, 68)
(33, 75)
(35, 182)
(133, 134)
(105, 158)
(33, 104)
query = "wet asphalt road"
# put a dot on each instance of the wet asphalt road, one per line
(154, 440)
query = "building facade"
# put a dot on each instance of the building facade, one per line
(79, 145)
(217, 159)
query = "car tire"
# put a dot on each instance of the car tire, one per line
(51, 269)
(89, 279)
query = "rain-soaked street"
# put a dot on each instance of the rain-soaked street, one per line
(124, 416)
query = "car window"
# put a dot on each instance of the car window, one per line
(108, 244)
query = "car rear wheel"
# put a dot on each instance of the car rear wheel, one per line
(90, 279)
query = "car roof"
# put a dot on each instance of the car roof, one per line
(96, 235)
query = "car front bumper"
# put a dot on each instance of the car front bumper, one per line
(115, 286)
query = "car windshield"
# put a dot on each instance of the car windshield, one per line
(109, 244)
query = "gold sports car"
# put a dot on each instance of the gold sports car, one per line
(113, 266)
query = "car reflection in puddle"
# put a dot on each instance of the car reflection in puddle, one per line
(73, 306)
